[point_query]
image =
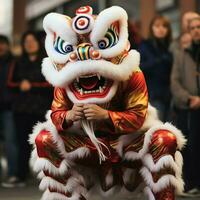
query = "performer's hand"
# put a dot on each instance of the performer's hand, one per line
(194, 102)
(25, 85)
(76, 113)
(94, 112)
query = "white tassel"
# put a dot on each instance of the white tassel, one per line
(89, 130)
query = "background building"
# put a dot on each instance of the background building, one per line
(28, 14)
(6, 17)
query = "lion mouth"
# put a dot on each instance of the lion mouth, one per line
(91, 85)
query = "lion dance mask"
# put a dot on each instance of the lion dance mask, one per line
(90, 63)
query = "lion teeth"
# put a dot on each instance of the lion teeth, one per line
(81, 91)
(99, 77)
(100, 89)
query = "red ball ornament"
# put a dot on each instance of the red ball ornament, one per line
(84, 10)
(81, 22)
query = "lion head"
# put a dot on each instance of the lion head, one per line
(88, 55)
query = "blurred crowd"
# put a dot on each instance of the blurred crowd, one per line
(25, 97)
(171, 69)
(172, 72)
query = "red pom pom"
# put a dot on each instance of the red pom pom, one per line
(84, 10)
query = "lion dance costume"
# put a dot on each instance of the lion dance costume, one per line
(89, 62)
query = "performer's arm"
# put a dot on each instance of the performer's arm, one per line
(60, 107)
(135, 103)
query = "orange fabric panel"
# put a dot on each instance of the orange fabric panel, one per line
(60, 106)
(135, 102)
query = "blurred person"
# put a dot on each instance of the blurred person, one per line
(156, 63)
(185, 86)
(185, 40)
(176, 44)
(41, 36)
(186, 18)
(134, 35)
(6, 116)
(33, 96)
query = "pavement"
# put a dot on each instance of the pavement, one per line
(31, 192)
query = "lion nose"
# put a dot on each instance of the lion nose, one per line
(85, 51)
(95, 54)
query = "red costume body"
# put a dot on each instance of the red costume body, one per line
(140, 150)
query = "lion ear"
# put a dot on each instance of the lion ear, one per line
(118, 17)
(57, 25)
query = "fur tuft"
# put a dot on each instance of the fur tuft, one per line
(151, 118)
(57, 196)
(71, 71)
(102, 23)
(162, 183)
(43, 164)
(61, 26)
(149, 193)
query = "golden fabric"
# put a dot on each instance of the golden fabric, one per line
(134, 101)
(60, 105)
(127, 109)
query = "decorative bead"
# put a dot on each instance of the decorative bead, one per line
(81, 22)
(95, 54)
(73, 56)
(84, 10)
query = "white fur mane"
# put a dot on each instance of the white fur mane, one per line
(71, 71)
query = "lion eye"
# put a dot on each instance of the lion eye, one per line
(68, 48)
(62, 47)
(103, 44)
(110, 39)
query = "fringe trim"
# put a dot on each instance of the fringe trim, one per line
(147, 140)
(73, 185)
(56, 196)
(149, 193)
(43, 164)
(162, 183)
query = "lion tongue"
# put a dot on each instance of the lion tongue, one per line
(89, 83)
